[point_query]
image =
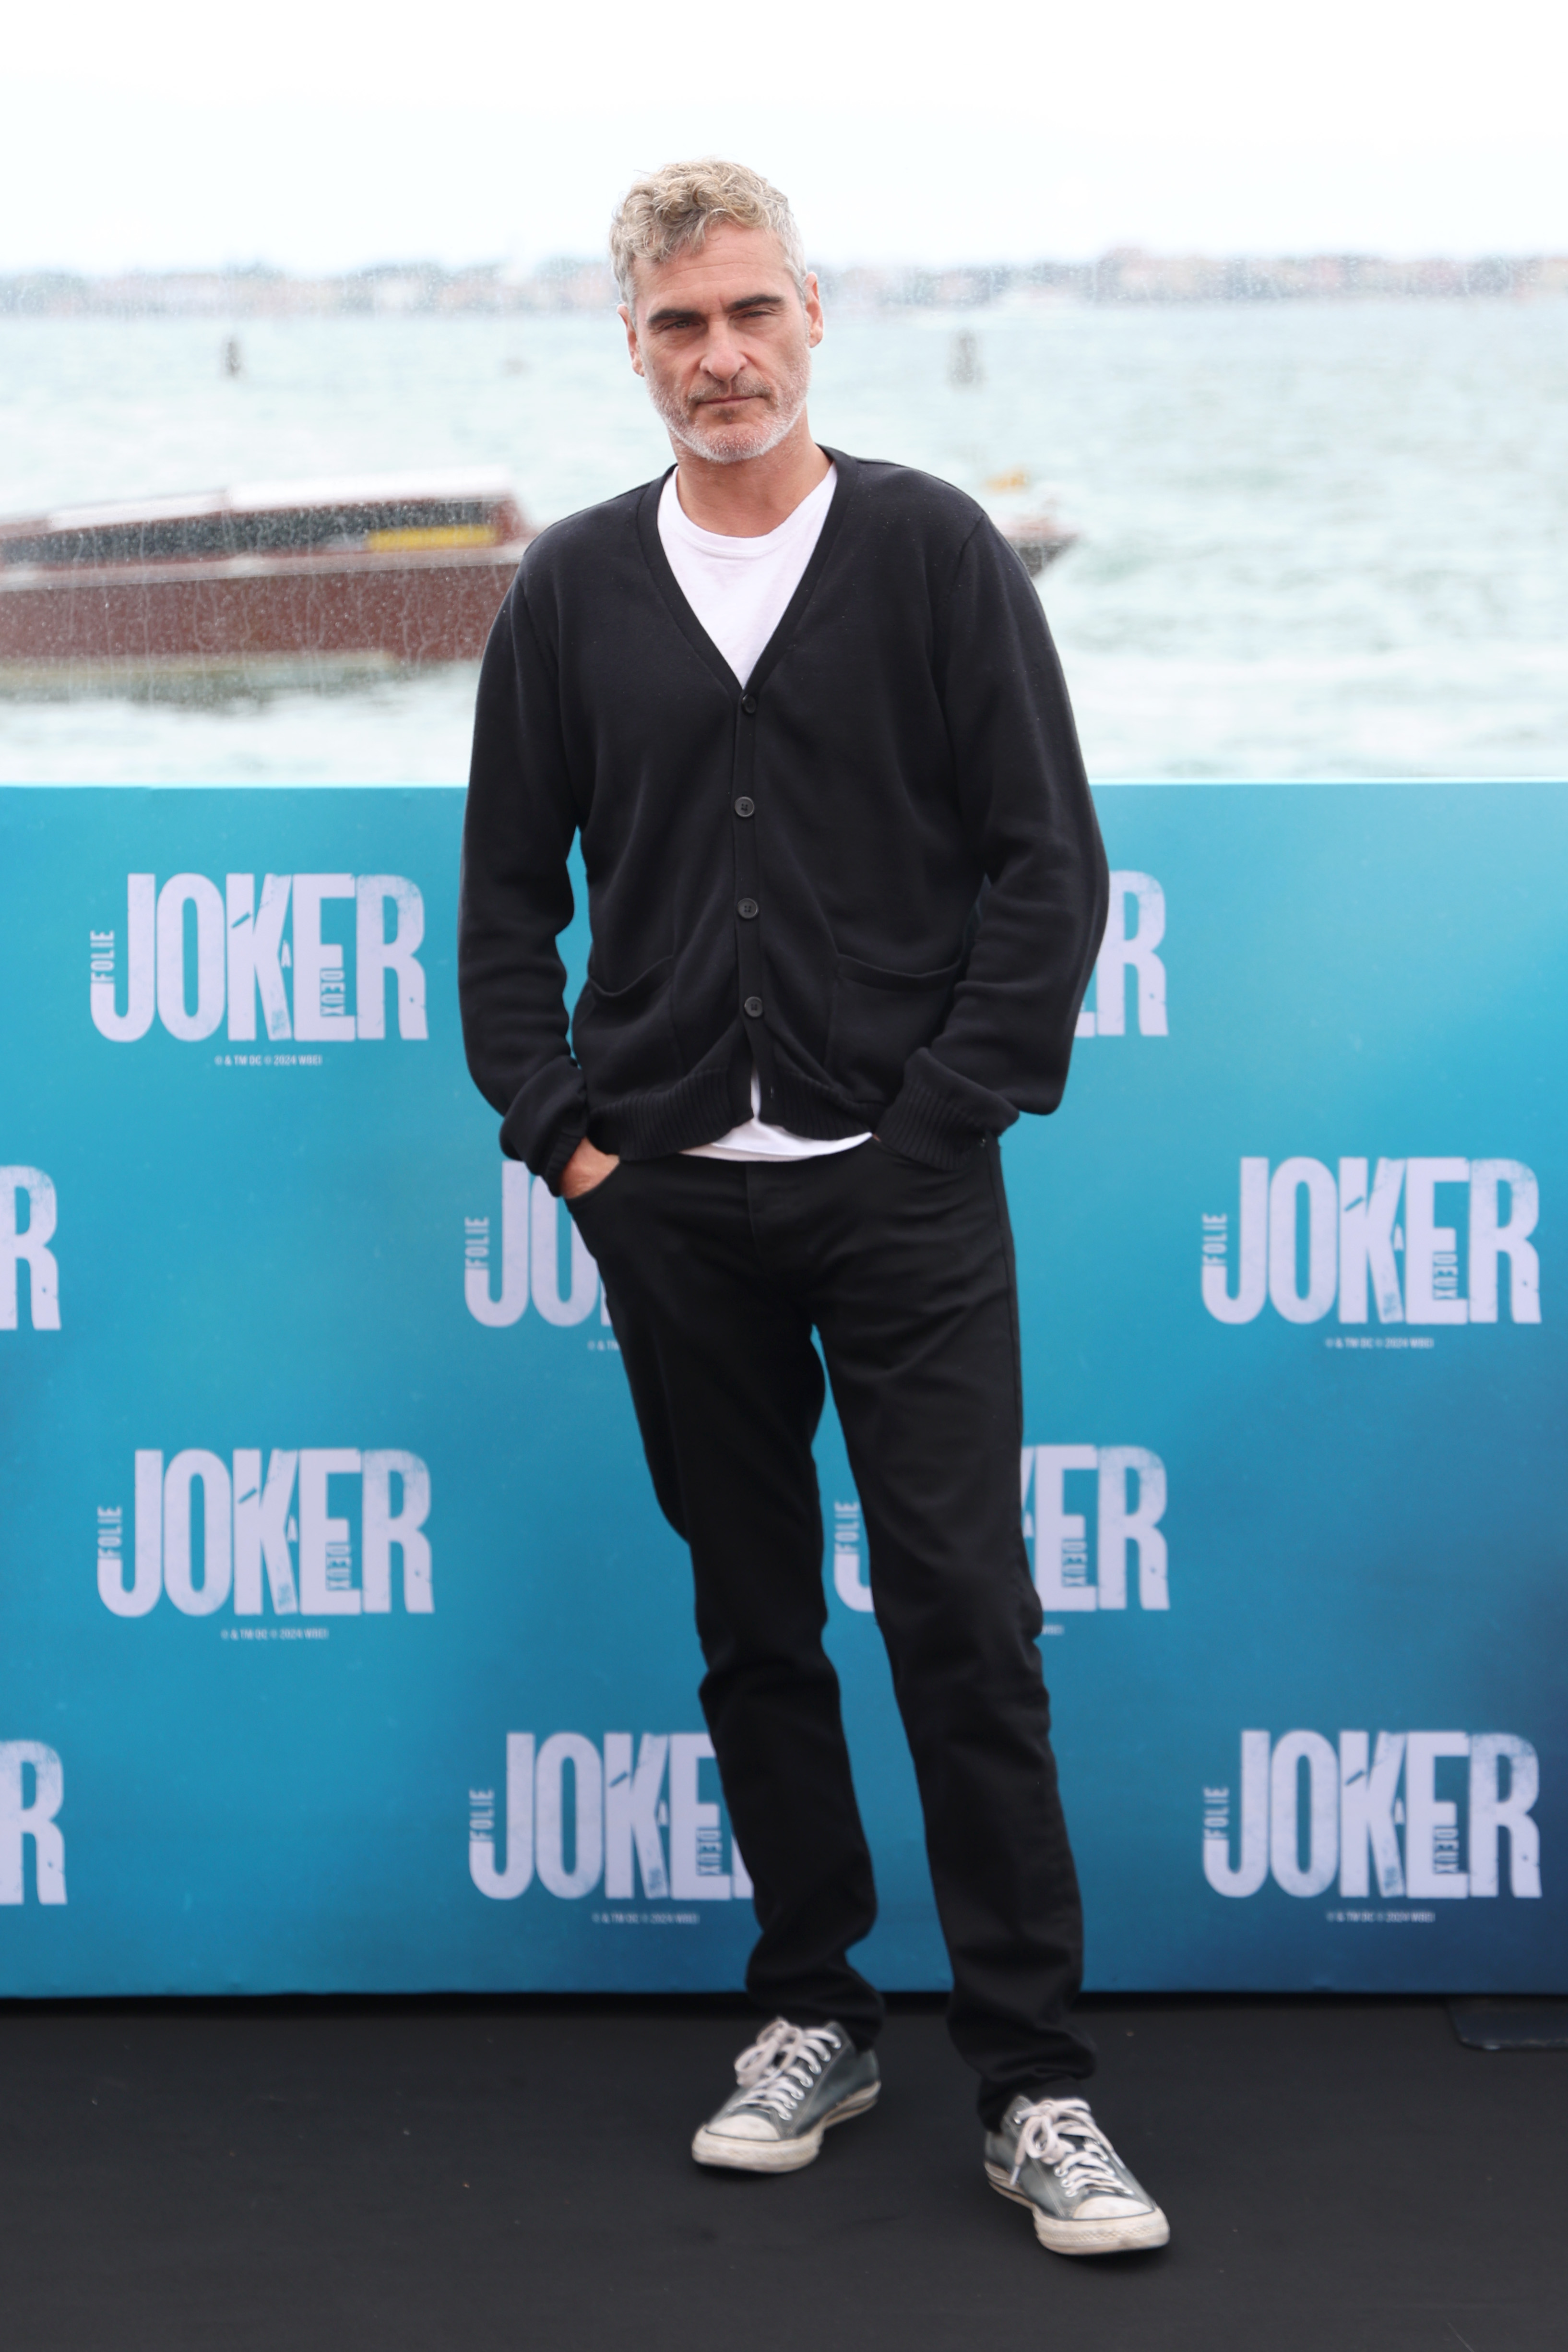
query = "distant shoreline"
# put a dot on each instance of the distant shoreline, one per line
(404, 289)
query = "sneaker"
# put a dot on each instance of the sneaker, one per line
(793, 2082)
(1052, 2156)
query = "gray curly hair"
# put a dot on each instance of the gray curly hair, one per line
(669, 210)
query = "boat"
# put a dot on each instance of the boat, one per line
(1039, 539)
(279, 583)
(259, 583)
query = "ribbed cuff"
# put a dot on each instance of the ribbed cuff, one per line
(926, 1124)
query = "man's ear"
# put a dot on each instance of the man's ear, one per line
(623, 313)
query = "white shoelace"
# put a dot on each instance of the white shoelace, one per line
(1063, 2134)
(783, 2063)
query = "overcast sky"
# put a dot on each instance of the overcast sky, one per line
(316, 134)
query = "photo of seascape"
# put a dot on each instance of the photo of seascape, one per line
(1316, 537)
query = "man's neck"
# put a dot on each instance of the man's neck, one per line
(754, 497)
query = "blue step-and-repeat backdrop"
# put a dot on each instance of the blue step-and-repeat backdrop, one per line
(341, 1645)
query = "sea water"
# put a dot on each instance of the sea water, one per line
(1318, 538)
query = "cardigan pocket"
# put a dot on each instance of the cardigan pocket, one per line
(624, 1039)
(879, 1019)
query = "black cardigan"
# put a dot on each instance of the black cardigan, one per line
(875, 873)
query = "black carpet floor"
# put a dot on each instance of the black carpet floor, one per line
(513, 2176)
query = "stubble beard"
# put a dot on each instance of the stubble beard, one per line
(732, 444)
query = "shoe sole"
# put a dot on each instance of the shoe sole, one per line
(1140, 2236)
(779, 2155)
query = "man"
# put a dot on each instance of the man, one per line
(845, 891)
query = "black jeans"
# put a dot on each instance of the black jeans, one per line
(715, 1274)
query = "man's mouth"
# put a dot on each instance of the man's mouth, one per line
(726, 399)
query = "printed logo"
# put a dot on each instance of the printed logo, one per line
(1304, 1241)
(1121, 1487)
(31, 1786)
(1309, 1811)
(1122, 950)
(1124, 1486)
(541, 1257)
(190, 950)
(612, 1826)
(26, 1243)
(850, 1580)
(249, 1543)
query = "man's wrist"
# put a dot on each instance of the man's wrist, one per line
(554, 1167)
(587, 1168)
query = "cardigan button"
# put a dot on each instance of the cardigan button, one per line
(748, 704)
(752, 1008)
(749, 910)
(746, 806)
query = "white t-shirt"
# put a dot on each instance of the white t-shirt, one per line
(739, 589)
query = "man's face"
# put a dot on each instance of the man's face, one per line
(724, 341)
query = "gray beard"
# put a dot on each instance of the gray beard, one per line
(733, 444)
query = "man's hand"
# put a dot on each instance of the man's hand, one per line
(587, 1168)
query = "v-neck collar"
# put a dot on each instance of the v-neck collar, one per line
(686, 621)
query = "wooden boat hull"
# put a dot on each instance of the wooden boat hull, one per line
(1037, 539)
(395, 609)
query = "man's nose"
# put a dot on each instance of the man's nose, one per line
(723, 359)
